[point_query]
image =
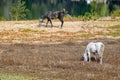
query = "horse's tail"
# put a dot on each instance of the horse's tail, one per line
(69, 16)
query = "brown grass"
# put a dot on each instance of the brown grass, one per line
(22, 51)
(60, 61)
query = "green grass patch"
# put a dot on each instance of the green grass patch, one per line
(26, 30)
(14, 77)
(29, 30)
(114, 34)
(115, 31)
(86, 35)
(114, 27)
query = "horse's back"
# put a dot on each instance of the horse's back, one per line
(54, 14)
(95, 46)
(99, 44)
(91, 44)
(91, 47)
(48, 14)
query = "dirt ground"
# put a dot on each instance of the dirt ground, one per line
(56, 54)
(60, 61)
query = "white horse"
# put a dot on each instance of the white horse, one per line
(94, 48)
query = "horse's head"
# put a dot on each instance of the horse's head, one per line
(40, 21)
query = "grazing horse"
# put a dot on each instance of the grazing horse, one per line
(94, 48)
(53, 15)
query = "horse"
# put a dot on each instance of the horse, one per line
(53, 15)
(94, 47)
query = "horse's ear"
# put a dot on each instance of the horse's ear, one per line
(64, 10)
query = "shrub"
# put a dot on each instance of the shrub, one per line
(2, 19)
(87, 16)
(19, 10)
(115, 14)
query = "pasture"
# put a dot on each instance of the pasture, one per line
(29, 52)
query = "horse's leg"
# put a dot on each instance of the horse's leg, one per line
(95, 56)
(62, 23)
(100, 59)
(61, 19)
(47, 22)
(101, 54)
(89, 56)
(51, 22)
(85, 56)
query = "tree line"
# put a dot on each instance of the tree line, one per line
(34, 9)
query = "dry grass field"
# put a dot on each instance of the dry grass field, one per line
(44, 53)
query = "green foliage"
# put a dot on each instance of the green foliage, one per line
(2, 19)
(99, 9)
(116, 14)
(91, 15)
(87, 16)
(19, 11)
(19, 8)
(104, 11)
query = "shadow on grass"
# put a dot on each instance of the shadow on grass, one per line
(92, 59)
(49, 26)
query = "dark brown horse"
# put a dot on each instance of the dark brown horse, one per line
(53, 15)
